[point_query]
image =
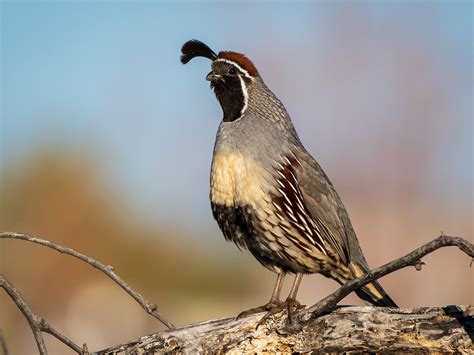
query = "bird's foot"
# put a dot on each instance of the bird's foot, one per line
(265, 308)
(291, 305)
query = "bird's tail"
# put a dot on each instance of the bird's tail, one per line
(372, 292)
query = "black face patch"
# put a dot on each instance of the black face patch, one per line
(229, 87)
(231, 96)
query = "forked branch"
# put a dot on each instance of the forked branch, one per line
(38, 324)
(149, 307)
(411, 259)
(364, 329)
(241, 335)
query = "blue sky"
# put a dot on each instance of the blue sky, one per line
(104, 79)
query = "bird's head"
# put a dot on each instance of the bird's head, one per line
(232, 77)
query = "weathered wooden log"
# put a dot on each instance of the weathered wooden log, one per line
(355, 329)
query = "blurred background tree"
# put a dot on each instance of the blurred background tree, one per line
(106, 142)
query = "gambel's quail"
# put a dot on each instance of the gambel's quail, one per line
(268, 194)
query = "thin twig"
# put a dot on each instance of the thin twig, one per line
(411, 259)
(149, 307)
(3, 343)
(37, 324)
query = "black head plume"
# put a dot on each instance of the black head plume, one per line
(195, 48)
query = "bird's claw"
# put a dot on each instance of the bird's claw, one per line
(265, 308)
(291, 305)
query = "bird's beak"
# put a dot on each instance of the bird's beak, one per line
(212, 77)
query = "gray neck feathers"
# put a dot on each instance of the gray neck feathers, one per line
(265, 105)
(264, 130)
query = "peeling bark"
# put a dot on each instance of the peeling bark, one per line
(356, 329)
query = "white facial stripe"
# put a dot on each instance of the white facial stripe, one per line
(245, 72)
(246, 96)
(242, 83)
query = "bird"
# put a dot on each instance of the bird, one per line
(268, 194)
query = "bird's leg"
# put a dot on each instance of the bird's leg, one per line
(291, 304)
(274, 300)
(291, 301)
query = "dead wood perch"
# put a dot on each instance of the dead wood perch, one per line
(344, 329)
(360, 329)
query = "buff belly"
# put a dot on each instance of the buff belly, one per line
(243, 209)
(235, 190)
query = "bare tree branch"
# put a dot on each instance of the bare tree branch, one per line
(38, 325)
(411, 259)
(150, 308)
(343, 329)
(366, 329)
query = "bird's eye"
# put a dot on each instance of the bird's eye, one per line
(232, 71)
